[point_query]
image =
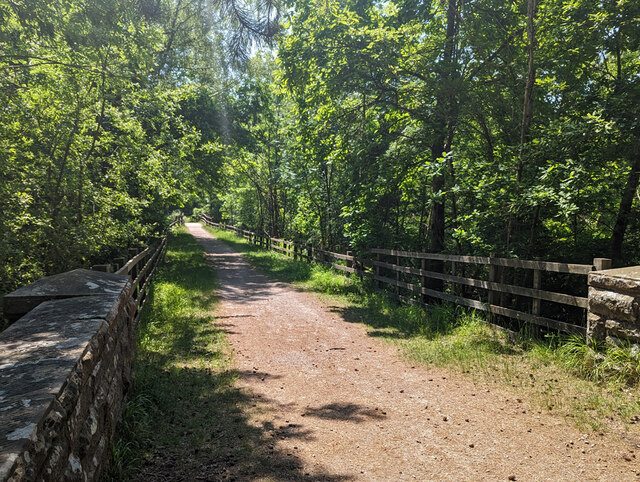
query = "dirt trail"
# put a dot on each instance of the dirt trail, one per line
(343, 406)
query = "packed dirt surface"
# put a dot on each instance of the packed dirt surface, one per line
(332, 403)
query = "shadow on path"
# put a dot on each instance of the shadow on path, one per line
(204, 431)
(197, 419)
(346, 412)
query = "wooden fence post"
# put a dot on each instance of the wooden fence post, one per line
(119, 262)
(537, 284)
(309, 253)
(358, 265)
(454, 286)
(423, 279)
(349, 261)
(493, 276)
(378, 282)
(397, 277)
(504, 279)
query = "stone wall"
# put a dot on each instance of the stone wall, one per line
(65, 368)
(614, 305)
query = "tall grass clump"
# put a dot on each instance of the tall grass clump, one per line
(601, 362)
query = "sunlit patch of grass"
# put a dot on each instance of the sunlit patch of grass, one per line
(595, 387)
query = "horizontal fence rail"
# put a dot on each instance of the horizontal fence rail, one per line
(511, 288)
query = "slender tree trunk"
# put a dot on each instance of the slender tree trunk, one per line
(452, 195)
(94, 141)
(445, 111)
(171, 35)
(422, 225)
(534, 230)
(57, 197)
(488, 138)
(626, 202)
(326, 170)
(276, 187)
(527, 109)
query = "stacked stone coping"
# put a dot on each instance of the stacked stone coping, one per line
(614, 306)
(65, 369)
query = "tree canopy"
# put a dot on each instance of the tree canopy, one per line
(111, 114)
(466, 127)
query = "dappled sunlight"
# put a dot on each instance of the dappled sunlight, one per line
(547, 370)
(186, 419)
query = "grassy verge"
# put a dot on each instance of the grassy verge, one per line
(183, 380)
(596, 389)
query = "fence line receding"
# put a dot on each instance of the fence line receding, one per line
(512, 288)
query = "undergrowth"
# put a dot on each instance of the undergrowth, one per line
(596, 386)
(182, 376)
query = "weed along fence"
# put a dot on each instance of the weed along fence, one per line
(529, 291)
(66, 367)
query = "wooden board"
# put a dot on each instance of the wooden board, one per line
(343, 268)
(336, 255)
(562, 298)
(508, 262)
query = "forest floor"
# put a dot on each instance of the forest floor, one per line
(325, 400)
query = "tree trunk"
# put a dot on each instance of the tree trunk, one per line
(527, 109)
(444, 113)
(626, 202)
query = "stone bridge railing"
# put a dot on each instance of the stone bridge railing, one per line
(614, 305)
(66, 367)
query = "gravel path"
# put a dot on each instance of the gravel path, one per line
(338, 404)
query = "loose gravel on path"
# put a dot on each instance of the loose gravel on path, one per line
(341, 405)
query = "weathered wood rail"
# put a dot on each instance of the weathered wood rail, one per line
(511, 288)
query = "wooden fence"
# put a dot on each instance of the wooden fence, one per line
(141, 266)
(511, 288)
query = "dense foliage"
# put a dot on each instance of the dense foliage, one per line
(110, 116)
(468, 127)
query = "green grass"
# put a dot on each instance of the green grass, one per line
(596, 387)
(182, 371)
